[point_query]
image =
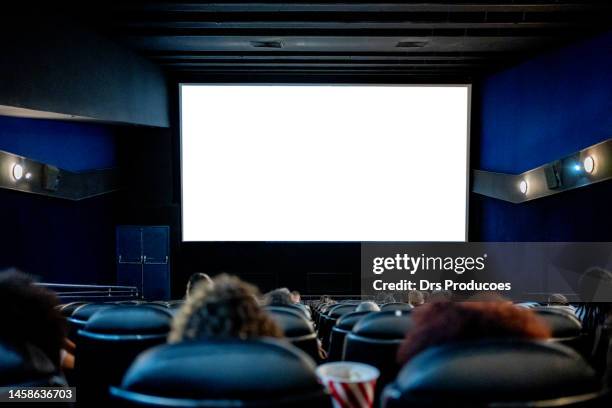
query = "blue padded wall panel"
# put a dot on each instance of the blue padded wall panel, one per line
(541, 110)
(68, 145)
(61, 241)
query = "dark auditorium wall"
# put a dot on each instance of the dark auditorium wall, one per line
(54, 67)
(541, 110)
(61, 241)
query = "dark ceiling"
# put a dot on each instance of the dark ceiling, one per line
(418, 41)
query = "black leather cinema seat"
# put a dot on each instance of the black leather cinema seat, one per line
(223, 373)
(566, 328)
(342, 327)
(489, 372)
(328, 321)
(397, 306)
(33, 370)
(298, 331)
(375, 340)
(562, 323)
(81, 314)
(68, 308)
(109, 343)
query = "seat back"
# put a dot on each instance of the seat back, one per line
(489, 372)
(81, 314)
(397, 306)
(375, 340)
(28, 367)
(67, 309)
(566, 328)
(343, 325)
(298, 331)
(217, 373)
(329, 320)
(110, 341)
(563, 323)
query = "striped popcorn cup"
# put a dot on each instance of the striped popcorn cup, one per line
(350, 384)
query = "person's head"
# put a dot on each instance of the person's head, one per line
(226, 309)
(557, 299)
(29, 316)
(195, 280)
(325, 299)
(278, 297)
(440, 323)
(295, 296)
(367, 307)
(415, 298)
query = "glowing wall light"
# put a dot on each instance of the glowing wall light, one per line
(17, 171)
(523, 186)
(589, 164)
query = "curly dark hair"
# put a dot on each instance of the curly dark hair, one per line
(226, 309)
(196, 279)
(29, 316)
(439, 323)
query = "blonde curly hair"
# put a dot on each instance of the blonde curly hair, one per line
(225, 308)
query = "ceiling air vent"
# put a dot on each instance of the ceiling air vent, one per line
(411, 44)
(267, 44)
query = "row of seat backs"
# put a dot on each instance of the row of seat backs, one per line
(26, 366)
(329, 317)
(118, 333)
(374, 338)
(510, 372)
(217, 373)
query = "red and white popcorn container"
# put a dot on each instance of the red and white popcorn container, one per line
(350, 384)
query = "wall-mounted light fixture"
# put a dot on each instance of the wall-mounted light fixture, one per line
(17, 171)
(589, 164)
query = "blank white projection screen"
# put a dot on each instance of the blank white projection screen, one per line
(324, 163)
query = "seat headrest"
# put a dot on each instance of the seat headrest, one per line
(84, 312)
(130, 320)
(339, 310)
(293, 324)
(397, 306)
(562, 322)
(67, 309)
(387, 325)
(347, 321)
(29, 365)
(222, 369)
(495, 370)
(285, 310)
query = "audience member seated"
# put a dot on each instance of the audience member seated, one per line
(226, 309)
(278, 297)
(439, 323)
(194, 280)
(296, 298)
(558, 301)
(416, 298)
(367, 307)
(34, 328)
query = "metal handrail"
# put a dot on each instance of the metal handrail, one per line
(89, 292)
(71, 285)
